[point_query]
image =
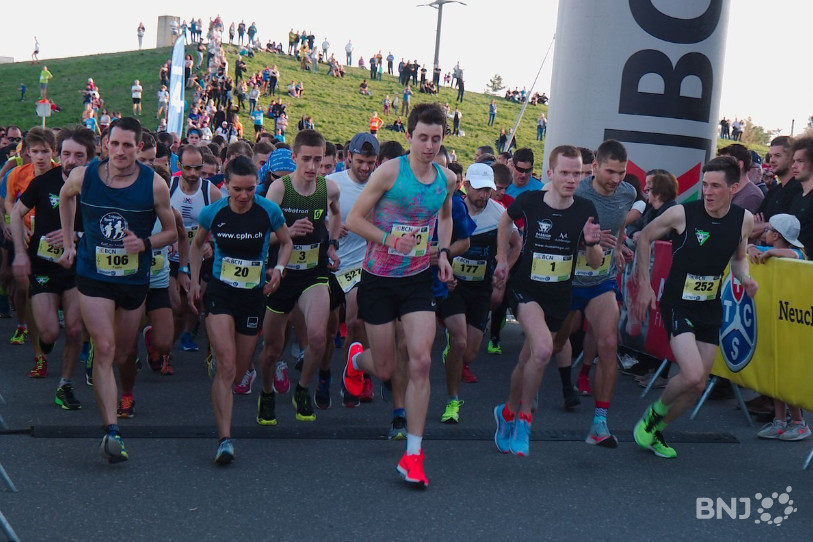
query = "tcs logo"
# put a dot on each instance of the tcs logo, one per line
(738, 333)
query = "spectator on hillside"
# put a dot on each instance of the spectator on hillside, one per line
(375, 123)
(387, 103)
(364, 89)
(45, 77)
(348, 49)
(325, 47)
(492, 112)
(541, 127)
(135, 93)
(407, 94)
(140, 33)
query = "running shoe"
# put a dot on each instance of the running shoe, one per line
(40, 369)
(166, 365)
(773, 430)
(187, 343)
(138, 364)
(20, 335)
(446, 350)
(398, 429)
(244, 387)
(348, 400)
(338, 342)
(126, 407)
(795, 431)
(467, 376)
(225, 452)
(583, 385)
(300, 360)
(302, 404)
(571, 398)
(452, 412)
(660, 448)
(281, 382)
(494, 346)
(321, 397)
(112, 448)
(65, 398)
(505, 430)
(520, 438)
(353, 378)
(210, 362)
(644, 432)
(88, 362)
(266, 405)
(153, 357)
(411, 468)
(600, 435)
(367, 392)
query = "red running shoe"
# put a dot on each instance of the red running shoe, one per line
(411, 468)
(468, 376)
(353, 378)
(367, 392)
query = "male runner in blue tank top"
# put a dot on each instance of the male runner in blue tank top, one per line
(120, 200)
(706, 236)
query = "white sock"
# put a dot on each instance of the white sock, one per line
(354, 361)
(413, 444)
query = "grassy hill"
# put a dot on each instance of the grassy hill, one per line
(335, 104)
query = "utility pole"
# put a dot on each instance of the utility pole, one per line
(438, 5)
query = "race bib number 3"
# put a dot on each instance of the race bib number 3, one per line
(47, 251)
(349, 278)
(551, 268)
(421, 239)
(469, 270)
(115, 262)
(241, 273)
(584, 270)
(701, 288)
(304, 257)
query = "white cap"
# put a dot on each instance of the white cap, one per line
(787, 226)
(480, 176)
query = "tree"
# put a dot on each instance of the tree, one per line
(495, 84)
(754, 134)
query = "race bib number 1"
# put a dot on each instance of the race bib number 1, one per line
(551, 268)
(115, 262)
(584, 270)
(701, 288)
(47, 251)
(238, 273)
(421, 239)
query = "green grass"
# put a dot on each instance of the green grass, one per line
(335, 104)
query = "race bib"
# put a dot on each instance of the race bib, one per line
(304, 257)
(349, 278)
(157, 262)
(469, 270)
(191, 232)
(421, 239)
(551, 268)
(115, 262)
(701, 288)
(241, 273)
(584, 270)
(49, 252)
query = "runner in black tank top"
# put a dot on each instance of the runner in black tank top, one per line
(707, 235)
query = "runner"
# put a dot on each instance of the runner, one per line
(707, 235)
(361, 157)
(120, 201)
(51, 286)
(539, 289)
(305, 199)
(240, 225)
(595, 291)
(464, 311)
(394, 213)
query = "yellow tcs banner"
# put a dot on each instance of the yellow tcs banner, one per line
(766, 343)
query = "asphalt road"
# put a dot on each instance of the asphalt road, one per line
(335, 479)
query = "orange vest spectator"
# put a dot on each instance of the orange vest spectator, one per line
(375, 123)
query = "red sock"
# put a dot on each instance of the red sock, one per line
(507, 414)
(585, 369)
(603, 404)
(526, 417)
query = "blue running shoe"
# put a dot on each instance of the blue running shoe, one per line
(225, 452)
(505, 429)
(187, 343)
(112, 448)
(520, 439)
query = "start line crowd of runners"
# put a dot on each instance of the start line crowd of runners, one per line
(387, 243)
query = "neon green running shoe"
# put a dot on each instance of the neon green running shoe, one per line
(452, 412)
(661, 449)
(494, 347)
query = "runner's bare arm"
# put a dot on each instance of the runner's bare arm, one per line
(214, 194)
(739, 261)
(673, 218)
(67, 208)
(17, 217)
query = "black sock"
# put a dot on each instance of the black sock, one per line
(564, 374)
(224, 439)
(112, 428)
(300, 389)
(46, 348)
(267, 394)
(324, 375)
